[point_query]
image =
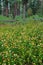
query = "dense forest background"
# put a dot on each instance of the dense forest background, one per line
(24, 8)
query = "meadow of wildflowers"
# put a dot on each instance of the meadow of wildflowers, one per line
(21, 44)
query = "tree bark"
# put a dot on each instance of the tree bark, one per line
(6, 7)
(18, 8)
(2, 7)
(24, 11)
(9, 8)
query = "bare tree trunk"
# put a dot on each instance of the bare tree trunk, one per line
(18, 8)
(6, 11)
(2, 6)
(21, 8)
(24, 2)
(42, 7)
(6, 7)
(24, 11)
(9, 8)
(15, 9)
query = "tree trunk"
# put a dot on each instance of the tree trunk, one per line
(18, 8)
(6, 7)
(15, 9)
(9, 8)
(6, 11)
(24, 11)
(42, 7)
(24, 2)
(2, 6)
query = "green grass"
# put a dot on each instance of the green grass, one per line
(21, 43)
(4, 18)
